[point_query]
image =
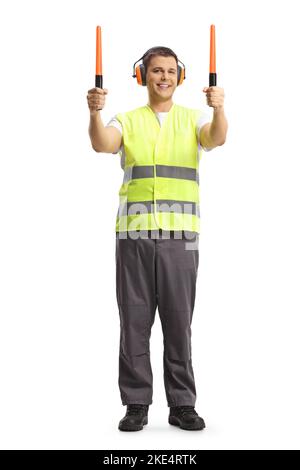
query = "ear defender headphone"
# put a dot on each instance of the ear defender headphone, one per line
(140, 73)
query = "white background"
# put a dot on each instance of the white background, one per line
(59, 318)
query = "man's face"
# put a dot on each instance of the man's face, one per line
(162, 70)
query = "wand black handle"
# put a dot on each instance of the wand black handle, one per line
(212, 79)
(99, 81)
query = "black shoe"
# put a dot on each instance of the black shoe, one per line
(136, 417)
(186, 418)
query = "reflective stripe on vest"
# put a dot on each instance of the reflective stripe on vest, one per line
(163, 171)
(160, 188)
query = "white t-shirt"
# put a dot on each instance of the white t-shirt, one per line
(204, 118)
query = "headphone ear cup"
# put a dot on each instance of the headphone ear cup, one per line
(180, 75)
(140, 74)
(143, 74)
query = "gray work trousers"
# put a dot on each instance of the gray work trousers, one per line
(153, 273)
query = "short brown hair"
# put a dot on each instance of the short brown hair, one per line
(154, 51)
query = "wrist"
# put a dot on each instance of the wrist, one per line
(219, 109)
(94, 114)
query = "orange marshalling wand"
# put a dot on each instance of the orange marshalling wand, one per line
(99, 76)
(212, 57)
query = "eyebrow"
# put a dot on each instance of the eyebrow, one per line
(162, 68)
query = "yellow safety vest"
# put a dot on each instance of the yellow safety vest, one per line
(160, 189)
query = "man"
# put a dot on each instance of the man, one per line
(157, 230)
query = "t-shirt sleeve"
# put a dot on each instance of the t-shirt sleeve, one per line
(203, 119)
(115, 123)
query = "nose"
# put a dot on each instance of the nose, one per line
(165, 75)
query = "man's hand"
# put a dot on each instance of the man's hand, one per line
(96, 99)
(214, 96)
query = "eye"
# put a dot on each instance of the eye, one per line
(172, 71)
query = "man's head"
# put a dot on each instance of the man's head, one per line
(161, 66)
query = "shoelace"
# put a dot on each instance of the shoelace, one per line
(135, 409)
(187, 409)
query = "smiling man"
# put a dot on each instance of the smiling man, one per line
(157, 231)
